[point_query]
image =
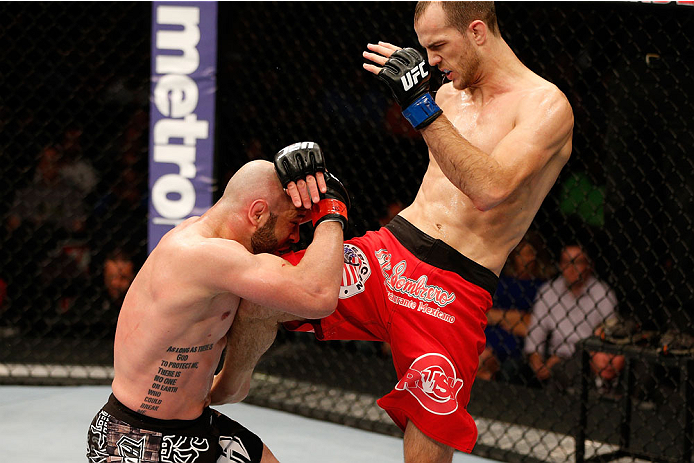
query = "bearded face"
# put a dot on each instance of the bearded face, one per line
(264, 239)
(468, 64)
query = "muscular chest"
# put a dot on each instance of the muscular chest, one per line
(482, 125)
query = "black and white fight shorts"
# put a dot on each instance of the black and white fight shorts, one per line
(118, 434)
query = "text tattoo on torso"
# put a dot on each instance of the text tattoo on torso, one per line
(168, 373)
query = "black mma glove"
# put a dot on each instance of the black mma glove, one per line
(407, 74)
(333, 204)
(296, 161)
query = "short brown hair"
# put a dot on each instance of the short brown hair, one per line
(461, 14)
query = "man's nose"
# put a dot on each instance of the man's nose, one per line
(433, 58)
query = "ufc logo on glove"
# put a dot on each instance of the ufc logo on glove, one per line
(410, 79)
(408, 67)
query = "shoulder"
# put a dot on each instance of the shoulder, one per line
(445, 93)
(187, 243)
(181, 236)
(551, 99)
(544, 114)
(541, 97)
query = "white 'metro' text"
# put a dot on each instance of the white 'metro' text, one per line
(175, 136)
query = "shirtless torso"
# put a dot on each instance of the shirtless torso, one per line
(499, 146)
(443, 211)
(170, 335)
(176, 316)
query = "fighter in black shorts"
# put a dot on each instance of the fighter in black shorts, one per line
(179, 311)
(213, 438)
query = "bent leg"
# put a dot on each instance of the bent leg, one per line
(268, 457)
(420, 448)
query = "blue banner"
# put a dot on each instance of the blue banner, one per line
(182, 108)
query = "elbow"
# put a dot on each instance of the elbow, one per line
(488, 202)
(324, 304)
(312, 304)
(321, 297)
(483, 206)
(492, 197)
(320, 302)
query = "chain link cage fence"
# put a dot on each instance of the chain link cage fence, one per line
(73, 111)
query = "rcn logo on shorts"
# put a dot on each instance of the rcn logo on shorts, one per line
(355, 272)
(431, 379)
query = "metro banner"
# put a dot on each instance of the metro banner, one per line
(182, 108)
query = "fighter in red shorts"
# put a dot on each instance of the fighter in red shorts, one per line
(498, 136)
(428, 301)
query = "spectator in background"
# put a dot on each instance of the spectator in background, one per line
(94, 313)
(76, 168)
(567, 309)
(525, 271)
(46, 219)
(49, 201)
(119, 218)
(118, 272)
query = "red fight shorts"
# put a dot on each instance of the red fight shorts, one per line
(429, 302)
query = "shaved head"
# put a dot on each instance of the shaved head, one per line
(255, 210)
(255, 180)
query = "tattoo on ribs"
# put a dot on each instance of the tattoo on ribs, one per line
(168, 373)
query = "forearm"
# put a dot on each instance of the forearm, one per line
(494, 316)
(520, 329)
(516, 322)
(321, 265)
(541, 368)
(470, 169)
(535, 361)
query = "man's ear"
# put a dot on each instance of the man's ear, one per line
(256, 211)
(478, 29)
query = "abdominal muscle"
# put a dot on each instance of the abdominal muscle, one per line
(486, 237)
